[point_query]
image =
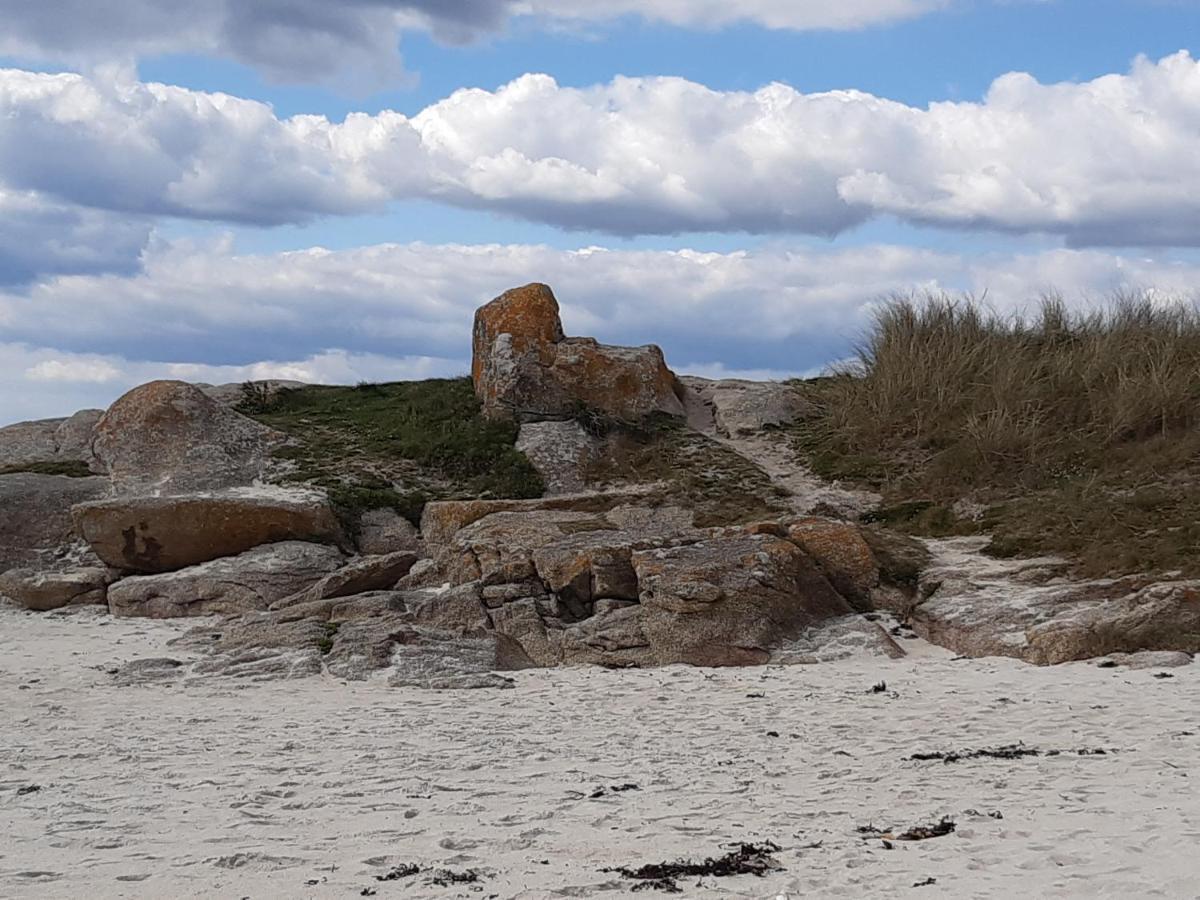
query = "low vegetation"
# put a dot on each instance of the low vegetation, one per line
(723, 487)
(70, 468)
(1072, 433)
(397, 445)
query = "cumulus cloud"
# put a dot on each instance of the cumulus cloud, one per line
(205, 313)
(306, 40)
(1112, 161)
(41, 237)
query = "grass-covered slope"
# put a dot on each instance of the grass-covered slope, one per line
(396, 445)
(1068, 433)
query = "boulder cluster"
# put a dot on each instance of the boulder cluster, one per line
(180, 518)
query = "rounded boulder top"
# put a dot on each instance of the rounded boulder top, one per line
(169, 436)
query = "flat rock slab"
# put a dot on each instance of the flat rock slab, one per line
(250, 581)
(44, 591)
(1028, 609)
(369, 573)
(163, 534)
(442, 520)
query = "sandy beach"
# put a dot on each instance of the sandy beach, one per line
(313, 788)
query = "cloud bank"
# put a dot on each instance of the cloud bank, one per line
(308, 40)
(1112, 161)
(404, 311)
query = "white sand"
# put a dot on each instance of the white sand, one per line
(225, 789)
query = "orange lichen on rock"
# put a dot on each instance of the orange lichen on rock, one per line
(529, 314)
(524, 367)
(841, 552)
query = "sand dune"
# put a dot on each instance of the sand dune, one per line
(313, 788)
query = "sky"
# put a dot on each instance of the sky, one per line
(218, 190)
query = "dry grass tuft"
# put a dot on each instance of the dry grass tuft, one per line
(1080, 432)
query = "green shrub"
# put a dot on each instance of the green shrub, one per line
(398, 445)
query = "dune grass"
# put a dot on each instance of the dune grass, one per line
(1075, 433)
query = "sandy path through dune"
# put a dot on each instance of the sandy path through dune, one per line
(225, 789)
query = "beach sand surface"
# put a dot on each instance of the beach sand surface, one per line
(313, 788)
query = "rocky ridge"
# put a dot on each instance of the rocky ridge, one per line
(182, 519)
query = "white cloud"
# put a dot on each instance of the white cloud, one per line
(795, 15)
(40, 382)
(76, 370)
(357, 41)
(204, 313)
(1115, 161)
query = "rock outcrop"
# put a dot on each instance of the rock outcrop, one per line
(631, 585)
(428, 638)
(162, 534)
(1029, 610)
(169, 437)
(442, 520)
(739, 407)
(249, 581)
(369, 573)
(729, 601)
(49, 440)
(524, 368)
(35, 517)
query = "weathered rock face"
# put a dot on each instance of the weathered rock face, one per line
(370, 573)
(35, 516)
(434, 639)
(842, 554)
(383, 531)
(742, 407)
(442, 520)
(162, 534)
(43, 591)
(49, 440)
(729, 601)
(1026, 609)
(168, 437)
(524, 367)
(634, 585)
(250, 581)
(561, 453)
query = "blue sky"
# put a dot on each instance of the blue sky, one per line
(153, 232)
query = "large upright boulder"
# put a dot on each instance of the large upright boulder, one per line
(524, 367)
(162, 534)
(35, 516)
(169, 437)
